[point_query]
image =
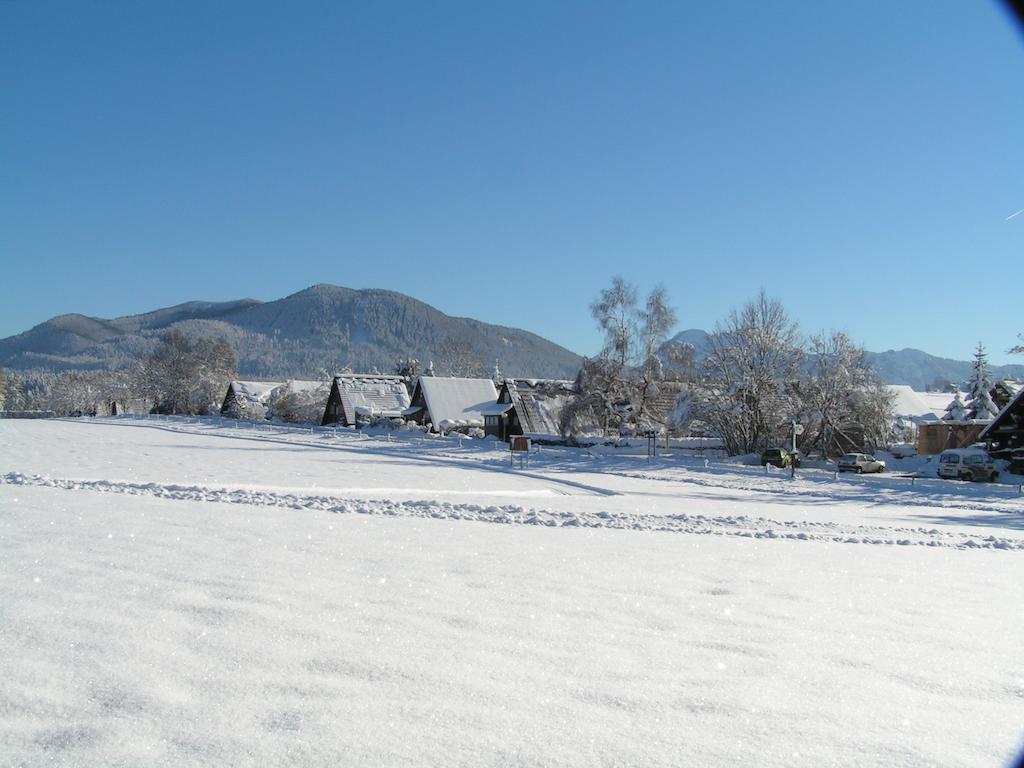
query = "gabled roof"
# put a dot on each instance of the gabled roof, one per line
(372, 394)
(253, 391)
(1004, 416)
(539, 403)
(456, 402)
(918, 406)
(662, 404)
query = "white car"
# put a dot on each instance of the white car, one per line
(860, 462)
(967, 464)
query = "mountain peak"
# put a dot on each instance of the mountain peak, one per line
(320, 327)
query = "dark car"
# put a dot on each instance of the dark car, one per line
(780, 457)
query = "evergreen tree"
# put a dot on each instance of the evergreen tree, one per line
(956, 410)
(979, 400)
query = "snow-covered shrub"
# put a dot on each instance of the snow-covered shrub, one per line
(298, 402)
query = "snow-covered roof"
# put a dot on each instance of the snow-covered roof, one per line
(255, 391)
(1003, 415)
(496, 409)
(539, 403)
(458, 402)
(920, 406)
(372, 394)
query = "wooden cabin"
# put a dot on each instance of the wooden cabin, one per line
(447, 404)
(359, 398)
(248, 399)
(1003, 392)
(1005, 434)
(530, 407)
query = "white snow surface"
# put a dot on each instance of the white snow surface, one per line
(202, 592)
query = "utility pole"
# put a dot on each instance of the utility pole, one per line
(798, 429)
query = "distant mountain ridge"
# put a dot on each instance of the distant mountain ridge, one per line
(327, 327)
(912, 367)
(324, 327)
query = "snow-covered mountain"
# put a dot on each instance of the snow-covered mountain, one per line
(322, 327)
(912, 367)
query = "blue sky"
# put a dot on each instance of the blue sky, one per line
(503, 161)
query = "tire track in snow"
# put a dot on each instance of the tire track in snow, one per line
(510, 514)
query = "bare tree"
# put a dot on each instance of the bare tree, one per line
(297, 403)
(600, 400)
(615, 313)
(457, 357)
(657, 319)
(748, 387)
(679, 360)
(845, 402)
(615, 389)
(187, 377)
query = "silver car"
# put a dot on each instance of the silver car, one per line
(859, 463)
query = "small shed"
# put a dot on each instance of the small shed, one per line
(936, 436)
(357, 398)
(248, 399)
(528, 407)
(450, 403)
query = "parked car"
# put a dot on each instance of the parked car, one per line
(860, 463)
(780, 457)
(967, 464)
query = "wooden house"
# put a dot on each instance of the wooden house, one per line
(1005, 433)
(1003, 392)
(530, 407)
(248, 399)
(447, 404)
(358, 398)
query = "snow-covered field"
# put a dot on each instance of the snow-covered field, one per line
(187, 593)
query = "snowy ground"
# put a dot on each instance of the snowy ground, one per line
(180, 593)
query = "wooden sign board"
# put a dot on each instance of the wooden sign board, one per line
(519, 444)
